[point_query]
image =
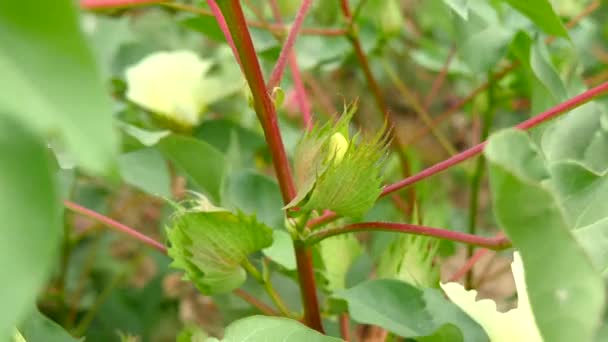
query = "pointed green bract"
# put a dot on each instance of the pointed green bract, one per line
(211, 245)
(410, 258)
(338, 253)
(566, 306)
(330, 174)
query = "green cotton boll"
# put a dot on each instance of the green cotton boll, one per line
(338, 173)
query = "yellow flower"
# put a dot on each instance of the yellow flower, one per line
(515, 325)
(170, 84)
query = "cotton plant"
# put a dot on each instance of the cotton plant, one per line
(176, 85)
(514, 325)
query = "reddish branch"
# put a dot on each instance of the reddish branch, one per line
(475, 150)
(277, 72)
(116, 226)
(265, 309)
(233, 14)
(468, 266)
(495, 243)
(345, 327)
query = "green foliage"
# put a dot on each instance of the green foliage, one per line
(542, 14)
(210, 247)
(338, 253)
(262, 328)
(203, 164)
(147, 170)
(331, 176)
(409, 311)
(37, 327)
(31, 220)
(50, 65)
(565, 308)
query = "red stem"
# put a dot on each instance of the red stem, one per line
(219, 17)
(473, 151)
(116, 226)
(468, 266)
(277, 72)
(266, 113)
(438, 82)
(265, 309)
(345, 327)
(300, 90)
(99, 4)
(495, 243)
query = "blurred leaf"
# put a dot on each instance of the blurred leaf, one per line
(281, 250)
(50, 64)
(206, 25)
(492, 41)
(263, 329)
(106, 35)
(461, 7)
(38, 327)
(31, 220)
(542, 14)
(406, 310)
(203, 164)
(566, 308)
(210, 247)
(338, 254)
(147, 170)
(257, 194)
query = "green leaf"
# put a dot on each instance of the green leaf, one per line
(38, 327)
(263, 329)
(542, 14)
(406, 310)
(210, 247)
(203, 164)
(50, 65)
(147, 170)
(31, 220)
(338, 254)
(565, 308)
(281, 250)
(257, 194)
(410, 258)
(461, 7)
(492, 41)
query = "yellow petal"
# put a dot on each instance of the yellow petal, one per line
(169, 84)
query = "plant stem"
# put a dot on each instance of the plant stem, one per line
(345, 327)
(265, 309)
(286, 51)
(438, 81)
(116, 226)
(266, 113)
(486, 125)
(495, 243)
(272, 293)
(475, 150)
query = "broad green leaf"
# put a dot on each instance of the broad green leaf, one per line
(210, 246)
(106, 36)
(514, 325)
(542, 14)
(461, 7)
(338, 254)
(410, 258)
(50, 65)
(545, 71)
(492, 41)
(281, 250)
(257, 194)
(31, 220)
(147, 170)
(38, 327)
(203, 164)
(263, 329)
(566, 308)
(406, 310)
